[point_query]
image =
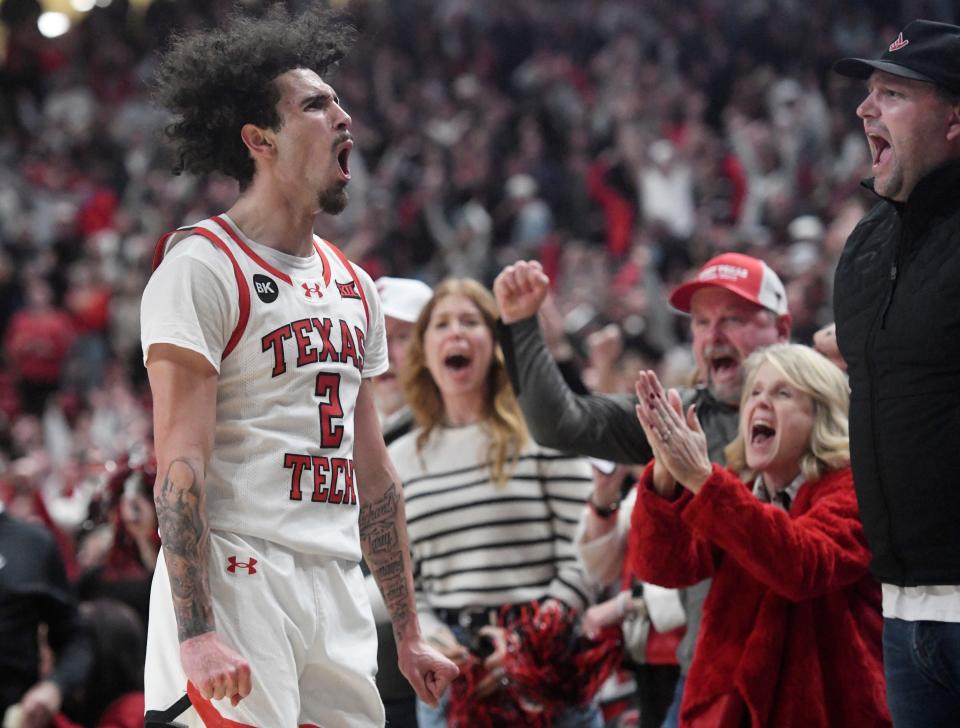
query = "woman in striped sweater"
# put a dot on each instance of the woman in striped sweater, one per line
(490, 514)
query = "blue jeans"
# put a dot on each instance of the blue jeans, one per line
(922, 665)
(673, 714)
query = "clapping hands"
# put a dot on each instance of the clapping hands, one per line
(678, 443)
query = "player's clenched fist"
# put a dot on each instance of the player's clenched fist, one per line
(520, 289)
(427, 671)
(214, 669)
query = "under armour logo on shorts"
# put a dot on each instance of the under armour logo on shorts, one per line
(233, 565)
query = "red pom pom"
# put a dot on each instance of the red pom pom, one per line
(553, 664)
(549, 666)
(500, 708)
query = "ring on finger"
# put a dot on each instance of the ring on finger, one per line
(665, 435)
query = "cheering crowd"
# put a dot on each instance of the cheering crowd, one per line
(534, 197)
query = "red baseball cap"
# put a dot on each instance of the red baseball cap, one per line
(748, 277)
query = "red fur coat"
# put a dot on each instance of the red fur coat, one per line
(791, 629)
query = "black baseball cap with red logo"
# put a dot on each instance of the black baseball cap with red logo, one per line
(924, 51)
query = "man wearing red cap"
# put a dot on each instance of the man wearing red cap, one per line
(897, 306)
(736, 304)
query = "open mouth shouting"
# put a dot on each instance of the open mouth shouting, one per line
(880, 150)
(343, 158)
(761, 440)
(762, 434)
(457, 362)
(724, 365)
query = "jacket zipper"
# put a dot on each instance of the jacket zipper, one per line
(894, 270)
(889, 298)
(881, 319)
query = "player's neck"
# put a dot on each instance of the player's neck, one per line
(274, 220)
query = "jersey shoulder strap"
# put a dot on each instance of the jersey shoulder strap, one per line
(203, 228)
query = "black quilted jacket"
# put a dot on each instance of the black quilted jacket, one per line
(897, 306)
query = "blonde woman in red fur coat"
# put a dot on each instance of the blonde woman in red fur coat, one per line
(791, 629)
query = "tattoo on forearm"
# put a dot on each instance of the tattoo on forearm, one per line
(383, 540)
(385, 509)
(182, 520)
(380, 523)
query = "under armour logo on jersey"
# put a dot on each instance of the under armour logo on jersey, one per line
(266, 288)
(311, 289)
(233, 565)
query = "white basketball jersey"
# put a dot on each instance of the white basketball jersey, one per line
(282, 463)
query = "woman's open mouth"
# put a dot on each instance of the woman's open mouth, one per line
(761, 434)
(456, 362)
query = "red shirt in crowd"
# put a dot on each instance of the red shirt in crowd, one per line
(37, 343)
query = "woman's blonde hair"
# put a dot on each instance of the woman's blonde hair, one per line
(503, 419)
(826, 385)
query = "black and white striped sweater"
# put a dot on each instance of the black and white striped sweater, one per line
(478, 545)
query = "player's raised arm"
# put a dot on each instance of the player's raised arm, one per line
(184, 386)
(386, 549)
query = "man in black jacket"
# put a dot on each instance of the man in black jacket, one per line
(897, 305)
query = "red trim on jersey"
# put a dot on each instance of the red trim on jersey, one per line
(249, 252)
(160, 249)
(323, 261)
(208, 713)
(241, 285)
(243, 288)
(356, 278)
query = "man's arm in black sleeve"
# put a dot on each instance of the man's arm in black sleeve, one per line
(596, 425)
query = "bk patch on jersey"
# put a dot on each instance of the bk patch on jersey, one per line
(266, 288)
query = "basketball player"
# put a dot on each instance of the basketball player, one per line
(259, 340)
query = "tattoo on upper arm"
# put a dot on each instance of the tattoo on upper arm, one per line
(380, 539)
(182, 521)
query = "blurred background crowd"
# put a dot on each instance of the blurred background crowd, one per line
(622, 143)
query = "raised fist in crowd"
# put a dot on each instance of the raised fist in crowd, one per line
(520, 290)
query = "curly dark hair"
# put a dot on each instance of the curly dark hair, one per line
(215, 81)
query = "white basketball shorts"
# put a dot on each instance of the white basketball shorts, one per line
(302, 622)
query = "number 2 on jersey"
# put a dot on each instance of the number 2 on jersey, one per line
(328, 388)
